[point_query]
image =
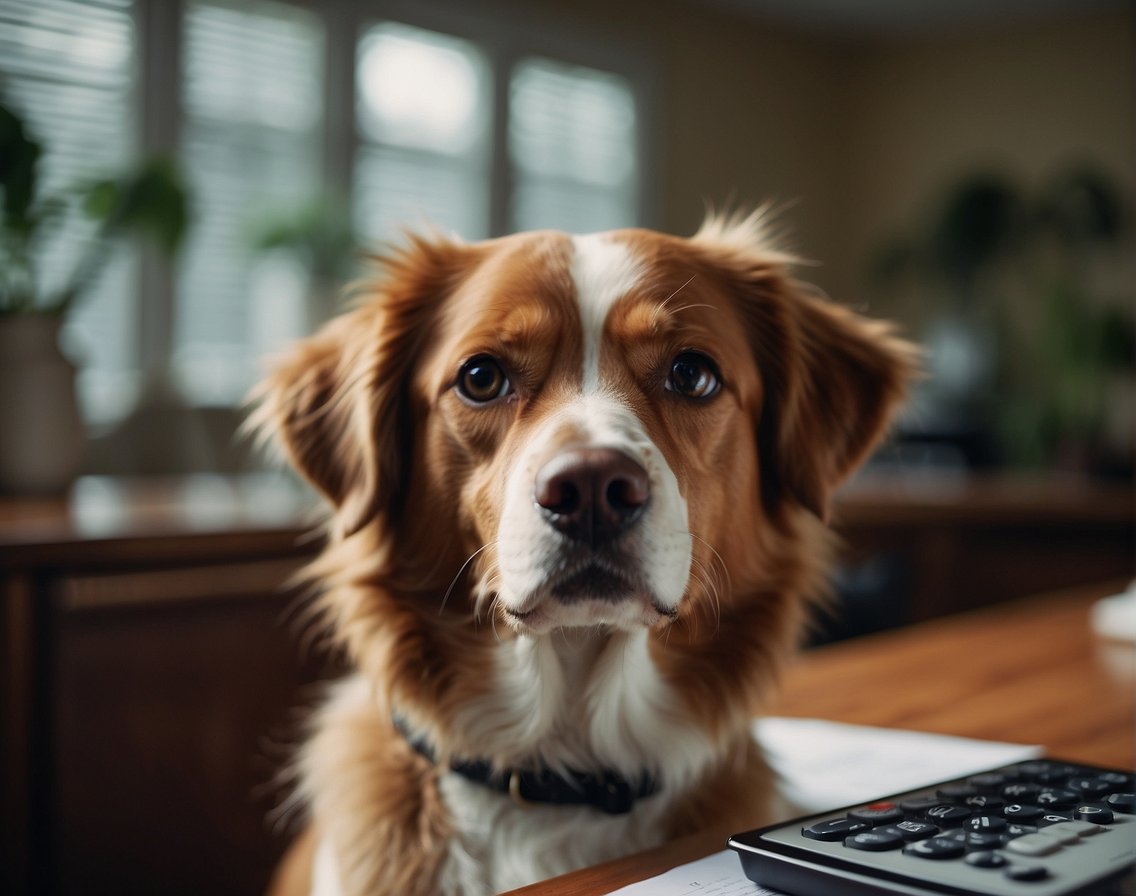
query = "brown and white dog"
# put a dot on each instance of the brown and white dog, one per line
(579, 485)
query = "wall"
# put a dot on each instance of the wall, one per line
(1027, 100)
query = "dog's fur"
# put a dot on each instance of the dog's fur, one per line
(458, 601)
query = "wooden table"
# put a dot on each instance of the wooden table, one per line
(1030, 671)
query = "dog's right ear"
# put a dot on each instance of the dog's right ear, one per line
(316, 407)
(338, 405)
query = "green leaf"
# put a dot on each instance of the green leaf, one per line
(150, 201)
(980, 223)
(1082, 205)
(19, 158)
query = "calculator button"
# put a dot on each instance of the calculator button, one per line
(1089, 787)
(1052, 818)
(874, 841)
(1061, 833)
(836, 829)
(1020, 812)
(1020, 793)
(957, 793)
(1057, 797)
(1116, 780)
(1055, 774)
(987, 783)
(1033, 769)
(984, 802)
(986, 859)
(1027, 872)
(912, 830)
(1080, 828)
(918, 805)
(1034, 845)
(979, 839)
(1095, 814)
(877, 817)
(936, 848)
(947, 815)
(1123, 802)
(989, 824)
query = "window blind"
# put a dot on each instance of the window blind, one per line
(423, 116)
(572, 145)
(252, 97)
(66, 67)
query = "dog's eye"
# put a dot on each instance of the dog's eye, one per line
(481, 380)
(693, 376)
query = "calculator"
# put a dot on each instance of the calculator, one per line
(1035, 828)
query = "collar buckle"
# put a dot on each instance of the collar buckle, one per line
(515, 790)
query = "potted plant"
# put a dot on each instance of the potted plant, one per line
(41, 432)
(1025, 340)
(318, 235)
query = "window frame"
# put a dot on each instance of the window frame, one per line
(505, 44)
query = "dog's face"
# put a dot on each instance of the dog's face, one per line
(585, 431)
(597, 401)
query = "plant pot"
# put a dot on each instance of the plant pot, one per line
(41, 431)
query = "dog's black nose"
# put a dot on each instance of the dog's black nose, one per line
(591, 494)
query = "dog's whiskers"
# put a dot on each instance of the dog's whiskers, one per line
(666, 301)
(694, 305)
(469, 560)
(729, 589)
(486, 590)
(710, 588)
(662, 306)
(493, 617)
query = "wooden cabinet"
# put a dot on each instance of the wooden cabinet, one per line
(956, 544)
(152, 677)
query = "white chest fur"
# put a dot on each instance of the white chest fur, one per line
(582, 700)
(579, 702)
(575, 700)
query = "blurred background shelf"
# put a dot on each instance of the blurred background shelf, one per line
(920, 547)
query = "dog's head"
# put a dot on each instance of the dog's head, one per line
(584, 431)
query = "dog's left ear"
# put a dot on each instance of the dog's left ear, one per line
(833, 382)
(832, 379)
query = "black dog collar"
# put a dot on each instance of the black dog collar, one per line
(606, 790)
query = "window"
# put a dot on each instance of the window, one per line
(67, 67)
(572, 143)
(252, 98)
(422, 110)
(276, 106)
(424, 119)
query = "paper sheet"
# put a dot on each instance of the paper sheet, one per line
(825, 765)
(716, 875)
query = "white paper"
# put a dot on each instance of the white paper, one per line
(716, 875)
(1115, 617)
(826, 765)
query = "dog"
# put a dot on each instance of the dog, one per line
(579, 489)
